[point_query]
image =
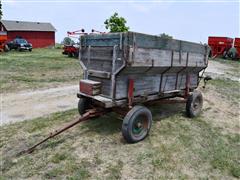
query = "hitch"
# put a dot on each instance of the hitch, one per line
(89, 114)
(205, 80)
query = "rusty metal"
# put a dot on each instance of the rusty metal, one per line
(167, 101)
(89, 114)
(187, 89)
(130, 92)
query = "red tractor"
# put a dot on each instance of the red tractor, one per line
(3, 39)
(72, 50)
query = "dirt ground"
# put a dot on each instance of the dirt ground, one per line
(26, 105)
(224, 69)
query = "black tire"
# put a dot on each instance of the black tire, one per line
(76, 54)
(225, 55)
(210, 54)
(83, 105)
(194, 104)
(137, 124)
(30, 50)
(6, 48)
(69, 54)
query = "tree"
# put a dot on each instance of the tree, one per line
(1, 10)
(165, 36)
(67, 41)
(116, 24)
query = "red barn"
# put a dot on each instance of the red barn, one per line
(39, 34)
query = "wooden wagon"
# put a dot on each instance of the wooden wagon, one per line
(125, 70)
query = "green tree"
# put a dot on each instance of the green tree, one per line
(165, 36)
(1, 10)
(67, 41)
(116, 24)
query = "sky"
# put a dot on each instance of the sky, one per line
(190, 20)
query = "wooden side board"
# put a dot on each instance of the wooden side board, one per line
(143, 57)
(150, 84)
(140, 40)
(100, 59)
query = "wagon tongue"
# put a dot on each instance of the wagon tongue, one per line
(89, 114)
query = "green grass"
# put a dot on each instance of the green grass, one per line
(228, 89)
(37, 69)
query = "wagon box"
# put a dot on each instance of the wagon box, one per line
(135, 68)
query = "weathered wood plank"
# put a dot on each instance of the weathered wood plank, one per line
(150, 61)
(100, 74)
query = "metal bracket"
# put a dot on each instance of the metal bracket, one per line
(130, 92)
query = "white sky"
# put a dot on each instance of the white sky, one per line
(187, 20)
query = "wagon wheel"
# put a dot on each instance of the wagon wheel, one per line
(136, 124)
(194, 104)
(225, 55)
(83, 105)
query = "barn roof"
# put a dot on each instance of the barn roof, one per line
(27, 26)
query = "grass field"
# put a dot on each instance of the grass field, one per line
(37, 69)
(206, 147)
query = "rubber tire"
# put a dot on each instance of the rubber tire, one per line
(210, 54)
(69, 54)
(190, 110)
(6, 48)
(225, 55)
(76, 55)
(83, 105)
(129, 120)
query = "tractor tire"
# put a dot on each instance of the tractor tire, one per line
(6, 48)
(83, 105)
(76, 54)
(69, 54)
(194, 104)
(137, 124)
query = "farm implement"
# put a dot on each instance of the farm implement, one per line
(224, 47)
(124, 72)
(3, 39)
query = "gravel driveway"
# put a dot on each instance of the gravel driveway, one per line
(28, 105)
